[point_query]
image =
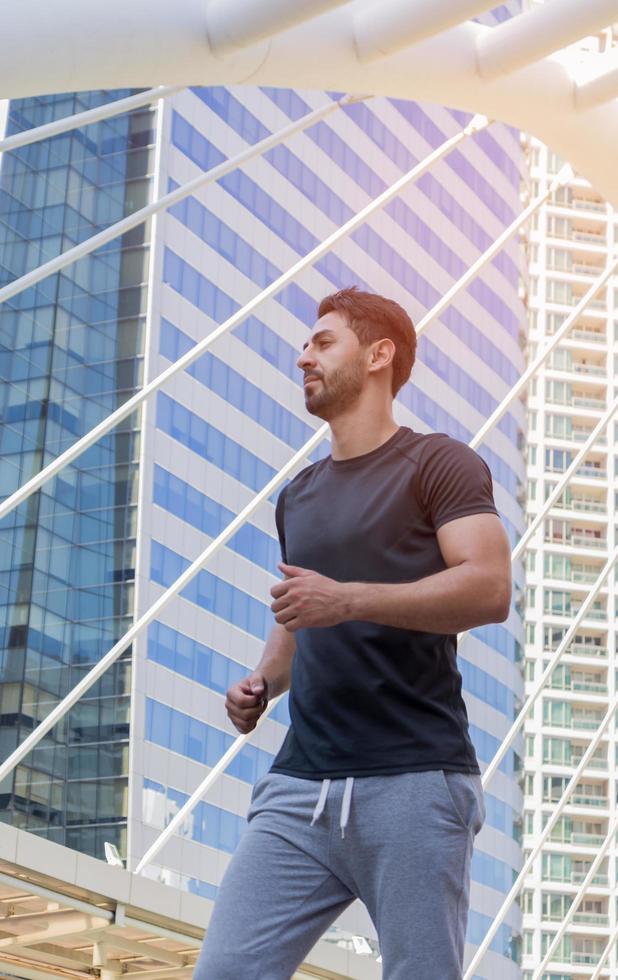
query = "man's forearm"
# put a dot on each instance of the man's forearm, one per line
(276, 661)
(451, 601)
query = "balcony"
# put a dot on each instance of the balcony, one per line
(588, 401)
(586, 541)
(591, 764)
(597, 370)
(590, 504)
(592, 472)
(589, 840)
(589, 335)
(578, 876)
(587, 650)
(579, 434)
(572, 684)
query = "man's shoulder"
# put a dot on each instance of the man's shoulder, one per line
(303, 477)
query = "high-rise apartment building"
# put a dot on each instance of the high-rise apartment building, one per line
(570, 241)
(121, 525)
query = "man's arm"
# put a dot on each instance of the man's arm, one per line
(275, 665)
(473, 590)
(247, 699)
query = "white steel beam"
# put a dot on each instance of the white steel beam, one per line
(168, 200)
(600, 82)
(581, 891)
(475, 124)
(557, 813)
(539, 32)
(519, 385)
(87, 117)
(199, 793)
(603, 958)
(532, 698)
(217, 770)
(562, 178)
(233, 24)
(112, 655)
(391, 26)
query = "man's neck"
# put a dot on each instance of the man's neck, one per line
(355, 436)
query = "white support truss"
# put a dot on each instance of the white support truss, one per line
(276, 286)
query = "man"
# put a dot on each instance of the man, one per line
(391, 546)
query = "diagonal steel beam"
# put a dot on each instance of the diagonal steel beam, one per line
(581, 891)
(138, 217)
(610, 945)
(532, 369)
(87, 117)
(476, 124)
(236, 746)
(112, 655)
(517, 885)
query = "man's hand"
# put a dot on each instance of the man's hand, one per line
(305, 599)
(246, 701)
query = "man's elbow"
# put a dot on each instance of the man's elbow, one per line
(502, 607)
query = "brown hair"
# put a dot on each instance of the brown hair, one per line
(373, 317)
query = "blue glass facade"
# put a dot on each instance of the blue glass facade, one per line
(71, 351)
(223, 431)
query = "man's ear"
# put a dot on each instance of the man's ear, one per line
(382, 354)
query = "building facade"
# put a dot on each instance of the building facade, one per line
(571, 239)
(71, 351)
(142, 504)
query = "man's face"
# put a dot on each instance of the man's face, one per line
(334, 367)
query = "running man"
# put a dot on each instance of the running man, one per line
(391, 546)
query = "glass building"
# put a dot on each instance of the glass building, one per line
(71, 351)
(151, 497)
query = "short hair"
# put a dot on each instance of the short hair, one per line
(373, 317)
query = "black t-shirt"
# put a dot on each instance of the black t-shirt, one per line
(367, 699)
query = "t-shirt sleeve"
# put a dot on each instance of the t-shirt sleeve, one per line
(280, 524)
(453, 481)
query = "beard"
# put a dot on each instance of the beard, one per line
(336, 392)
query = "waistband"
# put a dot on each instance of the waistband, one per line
(346, 803)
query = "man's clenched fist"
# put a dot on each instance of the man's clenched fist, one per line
(305, 598)
(246, 701)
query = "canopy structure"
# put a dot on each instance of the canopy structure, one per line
(517, 72)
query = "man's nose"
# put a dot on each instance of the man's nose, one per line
(305, 360)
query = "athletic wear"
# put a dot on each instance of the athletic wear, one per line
(406, 854)
(367, 699)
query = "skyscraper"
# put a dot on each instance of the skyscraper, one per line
(570, 241)
(214, 435)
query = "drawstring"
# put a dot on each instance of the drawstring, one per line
(321, 801)
(345, 803)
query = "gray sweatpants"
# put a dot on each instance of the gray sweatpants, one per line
(401, 843)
